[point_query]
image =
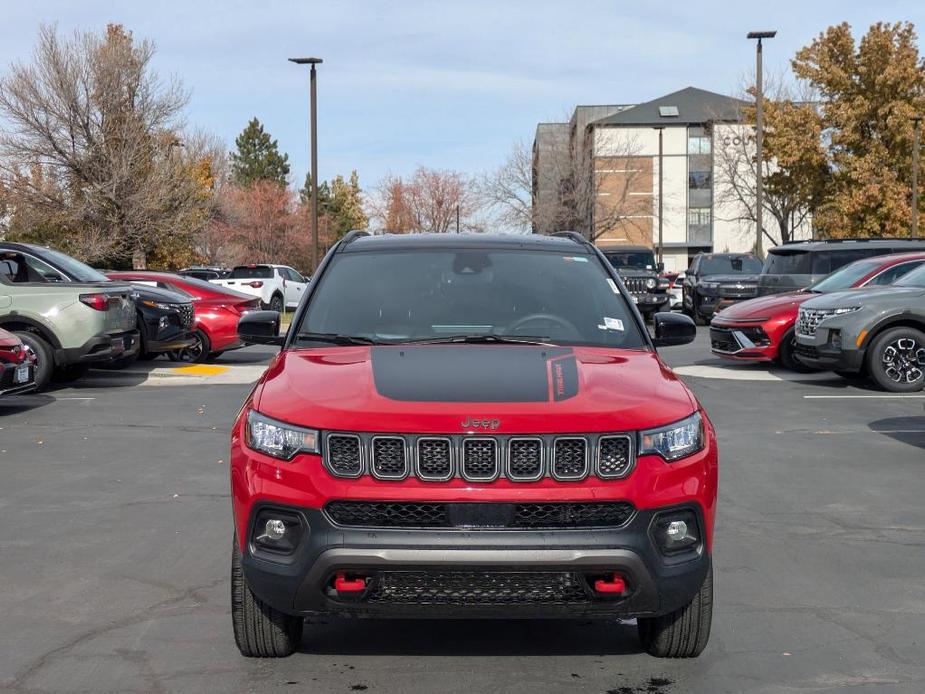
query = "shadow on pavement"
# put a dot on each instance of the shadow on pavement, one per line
(14, 404)
(907, 430)
(476, 638)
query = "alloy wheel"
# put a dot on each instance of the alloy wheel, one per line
(904, 360)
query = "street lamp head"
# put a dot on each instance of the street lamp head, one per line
(761, 34)
(306, 61)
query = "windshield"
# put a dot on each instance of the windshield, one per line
(788, 263)
(730, 265)
(246, 272)
(638, 260)
(916, 278)
(397, 296)
(73, 267)
(847, 277)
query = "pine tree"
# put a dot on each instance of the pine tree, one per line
(346, 205)
(258, 157)
(324, 194)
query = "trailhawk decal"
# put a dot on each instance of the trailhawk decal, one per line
(475, 373)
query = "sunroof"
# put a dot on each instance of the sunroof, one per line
(668, 111)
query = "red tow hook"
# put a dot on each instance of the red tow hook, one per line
(342, 584)
(614, 585)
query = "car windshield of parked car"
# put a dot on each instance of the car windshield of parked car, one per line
(916, 278)
(636, 260)
(73, 268)
(846, 277)
(395, 296)
(730, 265)
(788, 263)
(243, 272)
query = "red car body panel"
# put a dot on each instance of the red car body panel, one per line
(216, 311)
(333, 388)
(12, 354)
(777, 313)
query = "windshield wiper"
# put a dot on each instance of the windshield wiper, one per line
(336, 339)
(481, 339)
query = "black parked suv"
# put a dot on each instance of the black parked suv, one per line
(796, 265)
(637, 268)
(716, 280)
(165, 322)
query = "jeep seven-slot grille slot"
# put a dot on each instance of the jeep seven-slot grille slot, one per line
(518, 458)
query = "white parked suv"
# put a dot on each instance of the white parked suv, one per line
(277, 286)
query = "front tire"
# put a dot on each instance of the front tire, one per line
(785, 354)
(44, 358)
(276, 303)
(197, 353)
(259, 630)
(685, 632)
(896, 360)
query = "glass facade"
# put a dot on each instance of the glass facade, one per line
(699, 187)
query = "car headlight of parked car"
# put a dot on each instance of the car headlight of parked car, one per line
(158, 304)
(278, 439)
(651, 283)
(674, 441)
(709, 287)
(845, 309)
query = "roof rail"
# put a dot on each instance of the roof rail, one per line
(351, 235)
(852, 240)
(573, 235)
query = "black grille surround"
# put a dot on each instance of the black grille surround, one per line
(479, 458)
(468, 515)
(185, 315)
(466, 588)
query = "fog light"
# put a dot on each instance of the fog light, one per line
(278, 531)
(835, 339)
(163, 322)
(676, 532)
(275, 529)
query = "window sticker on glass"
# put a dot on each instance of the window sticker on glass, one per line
(611, 324)
(613, 286)
(574, 259)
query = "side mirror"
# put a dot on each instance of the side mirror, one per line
(673, 329)
(660, 267)
(260, 328)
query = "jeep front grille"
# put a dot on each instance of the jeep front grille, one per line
(479, 458)
(635, 285)
(495, 515)
(479, 588)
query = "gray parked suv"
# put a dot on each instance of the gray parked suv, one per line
(878, 331)
(797, 265)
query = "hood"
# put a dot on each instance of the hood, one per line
(731, 279)
(436, 388)
(864, 295)
(163, 296)
(765, 306)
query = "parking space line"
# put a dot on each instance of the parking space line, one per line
(201, 370)
(862, 397)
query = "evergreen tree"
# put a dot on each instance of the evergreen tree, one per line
(346, 205)
(324, 194)
(258, 157)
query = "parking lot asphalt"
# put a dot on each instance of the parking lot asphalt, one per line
(115, 534)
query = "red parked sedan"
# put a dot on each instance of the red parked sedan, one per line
(216, 311)
(17, 365)
(762, 329)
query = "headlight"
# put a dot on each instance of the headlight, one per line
(844, 310)
(651, 283)
(157, 304)
(277, 439)
(674, 441)
(709, 285)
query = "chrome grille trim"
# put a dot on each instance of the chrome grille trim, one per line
(441, 458)
(426, 476)
(464, 468)
(554, 462)
(374, 466)
(808, 320)
(541, 467)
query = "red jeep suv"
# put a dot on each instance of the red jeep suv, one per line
(471, 426)
(762, 329)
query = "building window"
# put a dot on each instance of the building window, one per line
(699, 144)
(699, 180)
(699, 216)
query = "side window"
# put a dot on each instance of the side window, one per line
(43, 272)
(19, 267)
(892, 274)
(295, 276)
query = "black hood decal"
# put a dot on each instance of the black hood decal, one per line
(475, 373)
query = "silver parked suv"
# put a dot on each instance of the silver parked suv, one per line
(879, 331)
(69, 314)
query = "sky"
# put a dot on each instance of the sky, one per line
(451, 84)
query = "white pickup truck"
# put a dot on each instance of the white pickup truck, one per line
(277, 286)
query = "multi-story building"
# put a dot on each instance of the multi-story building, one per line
(603, 166)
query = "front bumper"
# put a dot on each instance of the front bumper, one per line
(650, 303)
(101, 348)
(820, 352)
(8, 383)
(170, 344)
(741, 342)
(301, 583)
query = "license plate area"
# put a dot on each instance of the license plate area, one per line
(23, 374)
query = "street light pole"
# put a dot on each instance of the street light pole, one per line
(916, 120)
(314, 145)
(759, 136)
(661, 181)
